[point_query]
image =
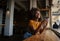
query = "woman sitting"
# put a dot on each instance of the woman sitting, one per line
(35, 24)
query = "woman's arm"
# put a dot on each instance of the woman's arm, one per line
(42, 26)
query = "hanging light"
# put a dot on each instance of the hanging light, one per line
(7, 11)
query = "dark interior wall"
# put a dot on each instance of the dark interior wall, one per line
(21, 17)
(20, 21)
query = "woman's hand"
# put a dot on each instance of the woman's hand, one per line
(43, 26)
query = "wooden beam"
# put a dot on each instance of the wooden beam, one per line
(17, 8)
(20, 4)
(22, 0)
(44, 9)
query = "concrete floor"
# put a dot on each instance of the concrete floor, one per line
(16, 37)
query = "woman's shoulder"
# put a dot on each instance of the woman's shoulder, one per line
(34, 22)
(31, 21)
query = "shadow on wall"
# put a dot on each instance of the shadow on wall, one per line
(20, 21)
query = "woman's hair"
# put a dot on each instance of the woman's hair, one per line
(33, 13)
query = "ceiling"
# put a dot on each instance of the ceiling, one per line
(23, 4)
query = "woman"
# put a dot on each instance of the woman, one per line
(35, 22)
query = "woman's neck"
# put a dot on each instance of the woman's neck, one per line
(36, 20)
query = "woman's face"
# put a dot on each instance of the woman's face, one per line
(37, 15)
